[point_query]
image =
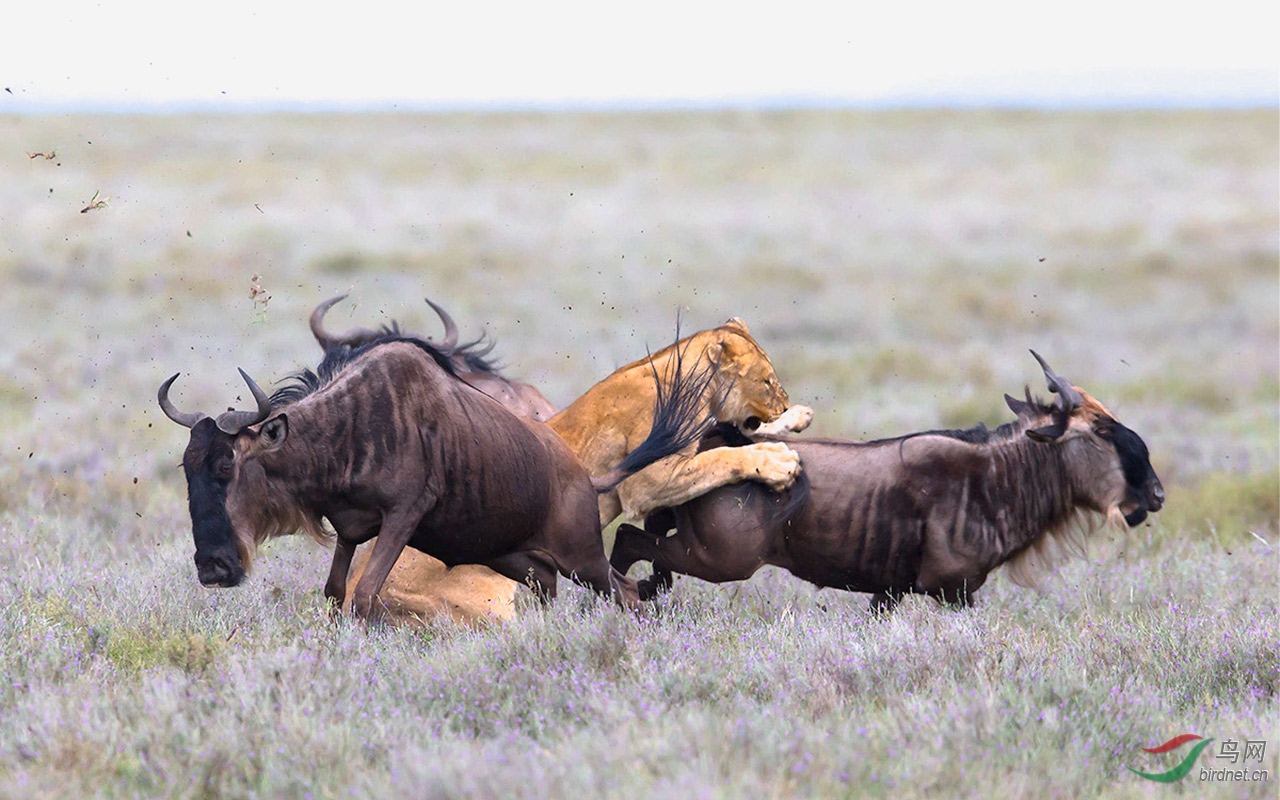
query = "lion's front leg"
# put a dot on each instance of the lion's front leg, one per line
(680, 478)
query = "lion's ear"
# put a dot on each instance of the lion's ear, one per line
(736, 322)
(713, 352)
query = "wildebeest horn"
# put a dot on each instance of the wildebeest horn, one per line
(317, 322)
(184, 418)
(450, 328)
(1068, 398)
(355, 337)
(233, 422)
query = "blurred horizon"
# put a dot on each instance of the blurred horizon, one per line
(1242, 99)
(572, 55)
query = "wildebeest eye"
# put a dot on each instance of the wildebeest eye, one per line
(224, 469)
(1105, 429)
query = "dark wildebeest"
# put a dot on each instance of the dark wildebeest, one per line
(394, 445)
(470, 361)
(931, 513)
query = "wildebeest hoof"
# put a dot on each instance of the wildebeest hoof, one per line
(777, 465)
(659, 583)
(332, 609)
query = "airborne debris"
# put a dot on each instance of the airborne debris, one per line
(95, 202)
(257, 294)
(49, 156)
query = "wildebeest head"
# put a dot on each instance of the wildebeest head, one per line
(1109, 463)
(747, 388)
(218, 491)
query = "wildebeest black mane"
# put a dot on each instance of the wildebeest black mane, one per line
(336, 358)
(476, 356)
(978, 434)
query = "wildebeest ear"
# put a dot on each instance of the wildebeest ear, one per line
(1017, 406)
(276, 430)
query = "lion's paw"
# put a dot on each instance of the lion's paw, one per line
(793, 420)
(799, 418)
(776, 464)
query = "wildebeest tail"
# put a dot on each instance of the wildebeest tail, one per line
(678, 418)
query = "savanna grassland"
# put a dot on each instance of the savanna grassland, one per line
(896, 265)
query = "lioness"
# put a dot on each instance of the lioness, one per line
(601, 427)
(615, 416)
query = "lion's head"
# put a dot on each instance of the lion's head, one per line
(747, 389)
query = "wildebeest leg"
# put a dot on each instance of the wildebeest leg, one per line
(352, 529)
(959, 595)
(717, 559)
(535, 570)
(606, 582)
(629, 546)
(396, 530)
(335, 588)
(632, 544)
(629, 541)
(659, 582)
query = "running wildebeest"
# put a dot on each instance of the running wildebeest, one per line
(931, 513)
(470, 361)
(393, 444)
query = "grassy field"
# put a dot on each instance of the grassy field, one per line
(896, 266)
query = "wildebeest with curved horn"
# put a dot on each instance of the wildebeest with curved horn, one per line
(470, 361)
(931, 513)
(394, 445)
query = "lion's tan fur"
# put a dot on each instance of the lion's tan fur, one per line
(421, 588)
(613, 417)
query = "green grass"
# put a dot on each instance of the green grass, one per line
(1227, 508)
(896, 266)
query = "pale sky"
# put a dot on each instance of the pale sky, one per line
(558, 53)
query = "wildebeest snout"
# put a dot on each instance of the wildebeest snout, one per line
(219, 571)
(1144, 501)
(1157, 495)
